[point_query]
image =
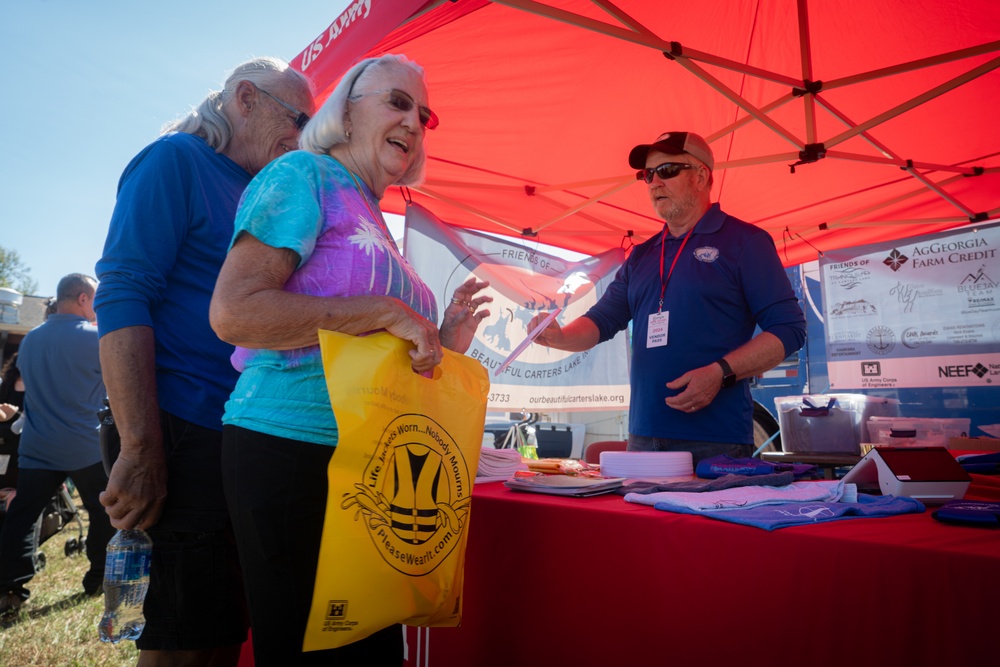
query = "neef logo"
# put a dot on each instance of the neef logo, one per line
(962, 371)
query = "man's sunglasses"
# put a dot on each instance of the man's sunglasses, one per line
(300, 119)
(400, 101)
(665, 171)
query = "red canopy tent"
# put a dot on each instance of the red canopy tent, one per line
(834, 122)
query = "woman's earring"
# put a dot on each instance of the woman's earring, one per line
(348, 133)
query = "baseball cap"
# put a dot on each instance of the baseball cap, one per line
(673, 143)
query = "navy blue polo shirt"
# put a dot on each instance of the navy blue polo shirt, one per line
(728, 280)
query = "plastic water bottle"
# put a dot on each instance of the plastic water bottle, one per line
(126, 580)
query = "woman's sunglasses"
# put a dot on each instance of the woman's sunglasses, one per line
(402, 102)
(665, 171)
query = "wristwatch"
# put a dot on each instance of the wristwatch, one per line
(728, 376)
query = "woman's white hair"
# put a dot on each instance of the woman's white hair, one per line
(209, 122)
(326, 129)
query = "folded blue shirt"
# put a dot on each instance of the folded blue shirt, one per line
(717, 466)
(969, 512)
(981, 464)
(770, 517)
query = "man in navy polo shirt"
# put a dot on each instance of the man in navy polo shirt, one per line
(694, 294)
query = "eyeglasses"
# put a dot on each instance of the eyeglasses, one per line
(400, 101)
(300, 119)
(665, 171)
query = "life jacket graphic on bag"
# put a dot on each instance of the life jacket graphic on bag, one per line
(414, 482)
(415, 494)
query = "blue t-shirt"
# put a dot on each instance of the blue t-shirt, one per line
(60, 364)
(309, 204)
(169, 233)
(728, 279)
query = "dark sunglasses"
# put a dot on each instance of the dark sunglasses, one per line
(665, 171)
(400, 101)
(300, 119)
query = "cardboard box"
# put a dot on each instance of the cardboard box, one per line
(975, 444)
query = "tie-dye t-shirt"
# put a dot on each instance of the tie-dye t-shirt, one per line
(310, 204)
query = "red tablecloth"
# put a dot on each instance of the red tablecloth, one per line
(598, 581)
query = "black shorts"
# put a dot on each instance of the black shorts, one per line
(277, 492)
(196, 598)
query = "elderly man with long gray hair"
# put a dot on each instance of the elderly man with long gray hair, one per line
(167, 374)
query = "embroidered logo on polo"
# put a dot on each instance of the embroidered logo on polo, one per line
(706, 254)
(414, 496)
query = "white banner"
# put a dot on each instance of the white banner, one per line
(524, 282)
(919, 312)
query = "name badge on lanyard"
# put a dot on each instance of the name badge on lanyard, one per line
(657, 329)
(656, 332)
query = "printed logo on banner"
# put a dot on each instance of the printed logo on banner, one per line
(871, 368)
(957, 251)
(907, 294)
(873, 376)
(853, 308)
(881, 340)
(964, 370)
(414, 496)
(914, 337)
(848, 275)
(978, 289)
(895, 260)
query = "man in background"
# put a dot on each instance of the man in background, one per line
(59, 362)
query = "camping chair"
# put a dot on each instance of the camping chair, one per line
(593, 452)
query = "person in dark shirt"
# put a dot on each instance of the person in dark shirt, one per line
(694, 294)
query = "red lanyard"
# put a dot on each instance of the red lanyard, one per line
(663, 252)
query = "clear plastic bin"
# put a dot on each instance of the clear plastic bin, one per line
(917, 431)
(828, 422)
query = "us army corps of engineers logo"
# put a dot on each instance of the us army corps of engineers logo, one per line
(415, 495)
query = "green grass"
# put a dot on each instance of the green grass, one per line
(57, 626)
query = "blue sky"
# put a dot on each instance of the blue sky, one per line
(86, 85)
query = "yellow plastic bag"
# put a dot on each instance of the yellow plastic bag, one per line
(397, 515)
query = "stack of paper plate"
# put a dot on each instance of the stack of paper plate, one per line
(646, 465)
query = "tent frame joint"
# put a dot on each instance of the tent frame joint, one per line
(976, 171)
(810, 153)
(808, 87)
(676, 51)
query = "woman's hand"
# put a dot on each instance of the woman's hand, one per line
(410, 325)
(463, 315)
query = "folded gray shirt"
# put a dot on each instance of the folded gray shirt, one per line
(700, 485)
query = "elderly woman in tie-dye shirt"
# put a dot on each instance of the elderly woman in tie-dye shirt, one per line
(311, 251)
